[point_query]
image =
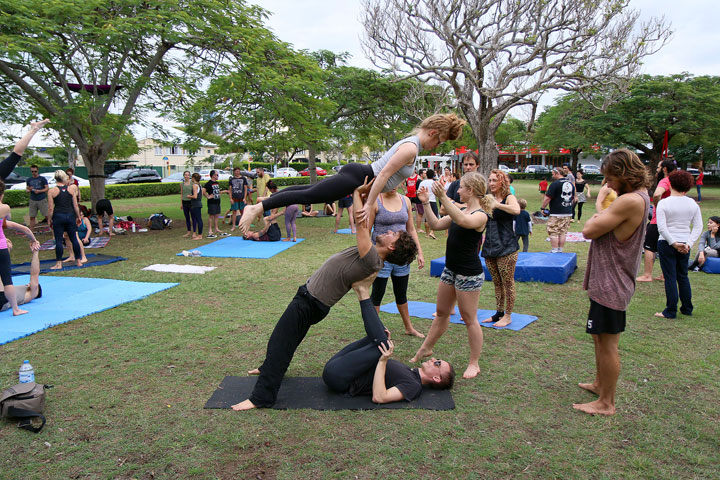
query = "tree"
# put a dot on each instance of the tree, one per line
(95, 67)
(498, 54)
(566, 125)
(687, 107)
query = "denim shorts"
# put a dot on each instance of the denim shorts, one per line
(394, 270)
(464, 283)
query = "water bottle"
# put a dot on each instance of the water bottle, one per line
(133, 228)
(26, 373)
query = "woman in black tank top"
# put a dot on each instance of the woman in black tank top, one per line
(63, 213)
(463, 275)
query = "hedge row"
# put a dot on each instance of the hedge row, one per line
(21, 198)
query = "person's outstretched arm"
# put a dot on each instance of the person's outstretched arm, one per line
(362, 235)
(9, 164)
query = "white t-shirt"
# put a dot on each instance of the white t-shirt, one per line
(428, 184)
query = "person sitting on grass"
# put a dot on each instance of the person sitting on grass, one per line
(365, 368)
(83, 234)
(23, 294)
(308, 211)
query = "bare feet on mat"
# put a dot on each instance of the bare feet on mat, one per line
(286, 239)
(595, 408)
(69, 260)
(254, 371)
(488, 320)
(78, 263)
(17, 312)
(244, 405)
(83, 260)
(57, 266)
(421, 354)
(414, 333)
(643, 278)
(590, 387)
(471, 371)
(504, 321)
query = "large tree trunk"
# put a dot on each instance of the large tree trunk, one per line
(312, 151)
(95, 163)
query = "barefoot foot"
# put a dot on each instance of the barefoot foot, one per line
(244, 405)
(69, 260)
(414, 333)
(248, 216)
(17, 312)
(83, 260)
(471, 371)
(644, 278)
(590, 387)
(58, 266)
(595, 408)
(254, 371)
(286, 239)
(421, 354)
(504, 321)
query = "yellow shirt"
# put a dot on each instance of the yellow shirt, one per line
(260, 184)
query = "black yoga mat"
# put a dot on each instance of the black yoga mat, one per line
(94, 260)
(311, 392)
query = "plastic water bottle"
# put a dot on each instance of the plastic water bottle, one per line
(26, 373)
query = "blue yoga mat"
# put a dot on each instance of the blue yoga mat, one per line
(68, 298)
(94, 260)
(237, 247)
(531, 267)
(345, 231)
(425, 310)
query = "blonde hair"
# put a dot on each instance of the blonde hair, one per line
(61, 176)
(523, 203)
(627, 167)
(476, 183)
(504, 181)
(444, 122)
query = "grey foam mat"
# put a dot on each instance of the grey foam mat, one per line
(311, 392)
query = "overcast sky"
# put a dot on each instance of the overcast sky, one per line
(694, 47)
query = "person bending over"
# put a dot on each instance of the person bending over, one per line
(365, 368)
(313, 301)
(389, 171)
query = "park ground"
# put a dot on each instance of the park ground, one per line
(131, 382)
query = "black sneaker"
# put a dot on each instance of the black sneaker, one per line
(212, 235)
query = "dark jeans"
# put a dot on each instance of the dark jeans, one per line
(197, 223)
(65, 222)
(186, 212)
(675, 270)
(304, 310)
(525, 241)
(357, 358)
(699, 188)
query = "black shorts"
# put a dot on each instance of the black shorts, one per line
(345, 202)
(213, 208)
(602, 319)
(651, 237)
(414, 200)
(103, 206)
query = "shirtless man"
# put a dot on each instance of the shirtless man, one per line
(617, 235)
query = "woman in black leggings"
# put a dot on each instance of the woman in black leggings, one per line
(63, 213)
(397, 164)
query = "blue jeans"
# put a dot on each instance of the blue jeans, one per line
(675, 270)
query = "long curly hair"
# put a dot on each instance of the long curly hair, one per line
(628, 168)
(504, 182)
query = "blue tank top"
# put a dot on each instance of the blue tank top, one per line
(82, 229)
(63, 201)
(405, 172)
(387, 221)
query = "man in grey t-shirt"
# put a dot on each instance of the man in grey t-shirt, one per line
(313, 301)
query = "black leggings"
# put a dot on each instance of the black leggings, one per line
(197, 223)
(65, 222)
(8, 165)
(579, 210)
(186, 212)
(400, 285)
(357, 358)
(5, 267)
(333, 188)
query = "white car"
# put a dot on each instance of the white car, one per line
(507, 169)
(50, 176)
(222, 174)
(287, 172)
(590, 169)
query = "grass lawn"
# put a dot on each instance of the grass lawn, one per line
(130, 382)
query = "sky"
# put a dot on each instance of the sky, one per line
(694, 47)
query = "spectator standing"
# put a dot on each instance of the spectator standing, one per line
(523, 225)
(431, 203)
(196, 207)
(664, 169)
(37, 186)
(211, 191)
(559, 196)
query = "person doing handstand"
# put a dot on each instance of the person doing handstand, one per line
(365, 368)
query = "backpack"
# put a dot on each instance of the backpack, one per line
(159, 221)
(25, 401)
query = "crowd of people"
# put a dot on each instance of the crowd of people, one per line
(482, 217)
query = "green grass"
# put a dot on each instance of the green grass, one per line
(130, 382)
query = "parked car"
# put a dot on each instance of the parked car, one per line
(14, 178)
(320, 171)
(590, 169)
(173, 177)
(222, 174)
(286, 172)
(537, 169)
(693, 171)
(133, 175)
(507, 169)
(51, 181)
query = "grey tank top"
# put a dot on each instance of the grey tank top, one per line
(405, 172)
(387, 221)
